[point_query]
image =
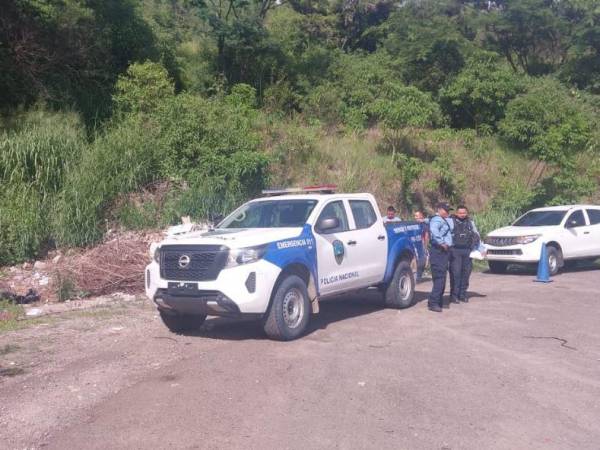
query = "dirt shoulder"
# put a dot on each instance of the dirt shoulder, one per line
(516, 367)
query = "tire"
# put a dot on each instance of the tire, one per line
(289, 313)
(179, 323)
(554, 259)
(400, 293)
(497, 266)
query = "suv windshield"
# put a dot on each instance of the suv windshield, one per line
(540, 219)
(270, 214)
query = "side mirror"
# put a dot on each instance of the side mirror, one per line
(328, 224)
(215, 219)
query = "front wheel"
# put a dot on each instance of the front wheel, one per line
(554, 259)
(289, 312)
(497, 266)
(400, 293)
(179, 323)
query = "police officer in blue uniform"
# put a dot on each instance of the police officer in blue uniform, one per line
(440, 229)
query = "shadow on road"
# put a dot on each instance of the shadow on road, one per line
(331, 310)
(531, 269)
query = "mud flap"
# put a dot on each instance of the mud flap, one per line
(315, 305)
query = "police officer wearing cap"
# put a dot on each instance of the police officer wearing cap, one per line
(440, 229)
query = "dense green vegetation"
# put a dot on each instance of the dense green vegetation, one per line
(134, 112)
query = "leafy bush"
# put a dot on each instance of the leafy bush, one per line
(405, 106)
(478, 96)
(204, 139)
(142, 88)
(548, 121)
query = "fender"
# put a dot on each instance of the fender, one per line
(300, 250)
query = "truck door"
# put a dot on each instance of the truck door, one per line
(370, 242)
(574, 235)
(334, 267)
(593, 237)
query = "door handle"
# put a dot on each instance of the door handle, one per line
(586, 232)
(351, 242)
(381, 237)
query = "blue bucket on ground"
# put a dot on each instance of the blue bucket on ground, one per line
(543, 272)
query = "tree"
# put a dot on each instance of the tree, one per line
(477, 97)
(553, 125)
(428, 42)
(529, 34)
(237, 26)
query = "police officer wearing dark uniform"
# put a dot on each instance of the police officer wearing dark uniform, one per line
(440, 229)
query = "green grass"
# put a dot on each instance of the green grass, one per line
(452, 165)
(10, 315)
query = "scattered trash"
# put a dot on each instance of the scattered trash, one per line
(39, 265)
(56, 259)
(33, 312)
(30, 297)
(44, 281)
(362, 383)
(531, 318)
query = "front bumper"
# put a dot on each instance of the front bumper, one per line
(244, 289)
(520, 253)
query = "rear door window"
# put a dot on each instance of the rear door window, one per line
(363, 213)
(594, 216)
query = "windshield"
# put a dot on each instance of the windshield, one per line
(540, 219)
(270, 214)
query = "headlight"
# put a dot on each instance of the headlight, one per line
(246, 255)
(526, 239)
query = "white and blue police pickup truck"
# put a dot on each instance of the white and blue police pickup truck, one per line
(276, 257)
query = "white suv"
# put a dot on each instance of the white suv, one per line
(570, 233)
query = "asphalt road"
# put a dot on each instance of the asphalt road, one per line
(518, 367)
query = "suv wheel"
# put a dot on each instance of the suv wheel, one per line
(497, 266)
(179, 323)
(400, 293)
(554, 259)
(289, 312)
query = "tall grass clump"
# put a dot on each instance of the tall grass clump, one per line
(119, 161)
(39, 150)
(23, 230)
(36, 152)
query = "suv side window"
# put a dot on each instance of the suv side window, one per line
(576, 217)
(594, 216)
(364, 215)
(335, 209)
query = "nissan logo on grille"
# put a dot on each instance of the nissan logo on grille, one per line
(184, 261)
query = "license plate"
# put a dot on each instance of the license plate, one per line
(182, 288)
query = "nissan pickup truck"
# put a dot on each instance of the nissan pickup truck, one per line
(276, 257)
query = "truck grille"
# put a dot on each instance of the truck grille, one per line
(192, 262)
(500, 241)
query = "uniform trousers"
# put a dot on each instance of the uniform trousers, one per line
(461, 266)
(438, 259)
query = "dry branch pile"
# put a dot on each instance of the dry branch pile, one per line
(115, 265)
